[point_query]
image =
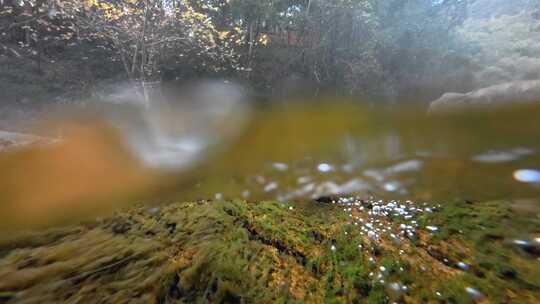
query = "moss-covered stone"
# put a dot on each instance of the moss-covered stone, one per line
(266, 252)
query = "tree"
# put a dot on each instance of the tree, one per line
(384, 48)
(504, 48)
(34, 25)
(146, 34)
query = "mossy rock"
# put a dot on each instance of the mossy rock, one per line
(240, 252)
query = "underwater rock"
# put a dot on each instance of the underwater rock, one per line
(506, 94)
(257, 252)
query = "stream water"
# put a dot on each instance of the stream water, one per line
(374, 164)
(301, 154)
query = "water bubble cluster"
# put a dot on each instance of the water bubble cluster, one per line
(393, 220)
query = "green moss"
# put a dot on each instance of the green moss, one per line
(238, 252)
(377, 295)
(486, 229)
